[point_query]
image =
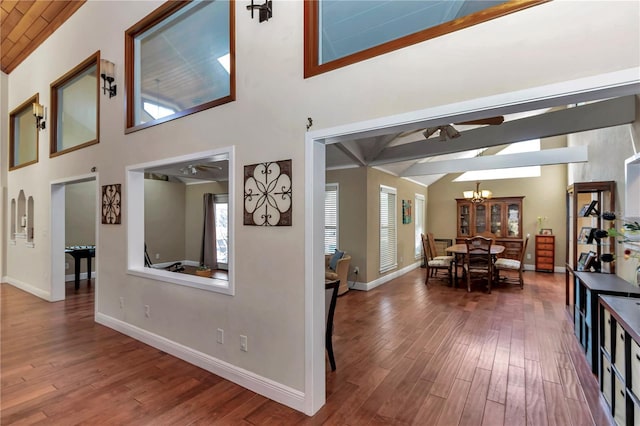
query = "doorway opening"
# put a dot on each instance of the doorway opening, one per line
(74, 225)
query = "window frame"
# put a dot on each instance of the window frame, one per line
(134, 210)
(329, 187)
(419, 200)
(311, 37)
(391, 212)
(93, 60)
(163, 12)
(26, 105)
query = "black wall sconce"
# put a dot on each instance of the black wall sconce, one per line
(265, 10)
(107, 72)
(38, 113)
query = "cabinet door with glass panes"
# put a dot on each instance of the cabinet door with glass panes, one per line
(500, 216)
(464, 219)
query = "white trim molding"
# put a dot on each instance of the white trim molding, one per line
(273, 390)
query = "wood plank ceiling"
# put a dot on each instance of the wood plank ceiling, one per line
(26, 24)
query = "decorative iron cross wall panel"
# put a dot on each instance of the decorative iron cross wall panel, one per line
(111, 204)
(267, 194)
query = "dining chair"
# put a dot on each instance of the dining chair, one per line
(478, 261)
(331, 296)
(504, 264)
(434, 263)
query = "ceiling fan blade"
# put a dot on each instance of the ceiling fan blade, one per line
(489, 120)
(206, 167)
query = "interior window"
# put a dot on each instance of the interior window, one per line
(23, 148)
(75, 108)
(182, 61)
(183, 206)
(340, 33)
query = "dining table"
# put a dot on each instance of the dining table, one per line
(459, 250)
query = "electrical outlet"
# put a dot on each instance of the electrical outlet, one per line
(66, 265)
(147, 311)
(157, 256)
(122, 303)
(356, 270)
(220, 337)
(243, 343)
(528, 256)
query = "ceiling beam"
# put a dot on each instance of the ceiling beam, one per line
(578, 154)
(609, 113)
(351, 152)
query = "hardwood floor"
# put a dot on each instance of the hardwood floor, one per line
(405, 355)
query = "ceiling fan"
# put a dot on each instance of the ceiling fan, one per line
(447, 131)
(193, 169)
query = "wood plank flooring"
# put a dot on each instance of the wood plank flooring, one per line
(405, 355)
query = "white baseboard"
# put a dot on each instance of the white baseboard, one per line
(83, 276)
(266, 387)
(378, 282)
(43, 294)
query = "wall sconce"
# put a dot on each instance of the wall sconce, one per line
(107, 72)
(38, 113)
(266, 10)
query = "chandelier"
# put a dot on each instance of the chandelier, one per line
(477, 196)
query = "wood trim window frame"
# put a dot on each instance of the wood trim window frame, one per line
(157, 16)
(93, 60)
(311, 34)
(26, 105)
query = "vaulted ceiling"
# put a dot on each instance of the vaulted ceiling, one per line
(25, 25)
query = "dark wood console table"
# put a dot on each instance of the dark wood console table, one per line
(78, 253)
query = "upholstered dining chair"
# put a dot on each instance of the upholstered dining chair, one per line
(513, 265)
(478, 261)
(331, 296)
(434, 263)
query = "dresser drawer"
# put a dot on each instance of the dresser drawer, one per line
(545, 253)
(548, 247)
(605, 380)
(544, 240)
(635, 369)
(545, 265)
(606, 324)
(620, 409)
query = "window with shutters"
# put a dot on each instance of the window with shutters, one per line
(330, 218)
(419, 221)
(388, 231)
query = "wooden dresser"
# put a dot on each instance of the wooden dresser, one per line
(545, 252)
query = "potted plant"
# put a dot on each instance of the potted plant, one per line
(203, 271)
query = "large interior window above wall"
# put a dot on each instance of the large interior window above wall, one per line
(180, 59)
(75, 108)
(23, 147)
(340, 33)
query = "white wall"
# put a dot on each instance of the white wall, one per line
(550, 43)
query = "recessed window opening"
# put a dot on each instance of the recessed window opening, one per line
(508, 173)
(181, 220)
(182, 62)
(388, 229)
(331, 218)
(75, 108)
(24, 135)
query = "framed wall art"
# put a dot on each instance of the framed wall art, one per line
(111, 204)
(406, 211)
(268, 194)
